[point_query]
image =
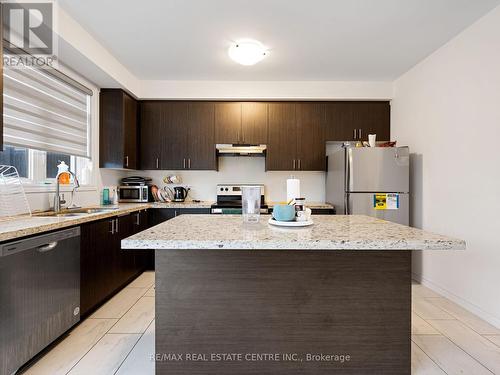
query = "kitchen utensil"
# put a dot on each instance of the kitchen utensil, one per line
(283, 212)
(251, 203)
(290, 224)
(304, 215)
(180, 193)
(372, 140)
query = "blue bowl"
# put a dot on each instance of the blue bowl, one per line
(284, 212)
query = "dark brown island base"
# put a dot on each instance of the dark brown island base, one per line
(255, 299)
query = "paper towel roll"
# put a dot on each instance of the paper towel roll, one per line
(292, 189)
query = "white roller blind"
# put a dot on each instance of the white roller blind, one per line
(44, 112)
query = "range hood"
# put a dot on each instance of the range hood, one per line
(240, 150)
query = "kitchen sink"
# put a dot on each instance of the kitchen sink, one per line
(77, 212)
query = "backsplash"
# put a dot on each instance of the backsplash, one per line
(243, 170)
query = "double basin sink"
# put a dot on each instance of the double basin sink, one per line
(77, 212)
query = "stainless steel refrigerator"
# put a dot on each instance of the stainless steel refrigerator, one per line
(370, 181)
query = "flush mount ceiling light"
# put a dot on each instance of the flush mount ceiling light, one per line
(247, 52)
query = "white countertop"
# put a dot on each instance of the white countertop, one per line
(330, 232)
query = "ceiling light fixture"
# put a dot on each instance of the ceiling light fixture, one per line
(247, 52)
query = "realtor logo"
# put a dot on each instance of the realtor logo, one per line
(28, 27)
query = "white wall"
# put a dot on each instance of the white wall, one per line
(241, 170)
(286, 90)
(447, 109)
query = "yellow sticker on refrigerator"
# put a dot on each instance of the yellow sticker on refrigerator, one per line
(386, 201)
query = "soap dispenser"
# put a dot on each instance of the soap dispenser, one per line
(63, 173)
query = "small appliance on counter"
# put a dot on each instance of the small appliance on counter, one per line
(135, 189)
(180, 193)
(230, 199)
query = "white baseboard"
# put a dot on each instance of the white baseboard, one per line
(492, 319)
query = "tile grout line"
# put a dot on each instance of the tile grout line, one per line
(428, 356)
(464, 323)
(462, 349)
(133, 347)
(130, 308)
(105, 333)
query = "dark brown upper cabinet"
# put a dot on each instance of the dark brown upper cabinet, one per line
(353, 121)
(228, 123)
(311, 148)
(174, 136)
(201, 136)
(118, 141)
(282, 137)
(177, 135)
(241, 122)
(1, 79)
(151, 117)
(254, 123)
(372, 118)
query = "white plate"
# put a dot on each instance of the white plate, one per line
(290, 223)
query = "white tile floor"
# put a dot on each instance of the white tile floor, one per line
(119, 338)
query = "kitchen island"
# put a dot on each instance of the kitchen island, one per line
(256, 299)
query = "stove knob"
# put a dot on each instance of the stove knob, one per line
(227, 189)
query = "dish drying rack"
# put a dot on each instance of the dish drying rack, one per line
(13, 199)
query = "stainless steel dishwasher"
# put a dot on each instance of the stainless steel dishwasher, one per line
(39, 294)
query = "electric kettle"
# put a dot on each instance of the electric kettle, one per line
(180, 193)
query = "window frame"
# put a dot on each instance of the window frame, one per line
(37, 163)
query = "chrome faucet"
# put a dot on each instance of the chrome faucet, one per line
(57, 199)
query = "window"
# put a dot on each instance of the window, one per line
(46, 121)
(40, 167)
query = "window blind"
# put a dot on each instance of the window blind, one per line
(44, 112)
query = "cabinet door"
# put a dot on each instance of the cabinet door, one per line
(339, 121)
(373, 118)
(111, 130)
(130, 132)
(254, 123)
(201, 136)
(96, 261)
(282, 141)
(127, 226)
(173, 135)
(151, 119)
(228, 123)
(310, 139)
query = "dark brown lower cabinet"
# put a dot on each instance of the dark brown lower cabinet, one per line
(104, 266)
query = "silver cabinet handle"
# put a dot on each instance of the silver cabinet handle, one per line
(184, 163)
(355, 133)
(138, 219)
(126, 161)
(360, 136)
(299, 164)
(116, 226)
(293, 164)
(157, 163)
(189, 163)
(112, 226)
(48, 247)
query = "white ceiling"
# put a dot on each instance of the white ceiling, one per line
(372, 40)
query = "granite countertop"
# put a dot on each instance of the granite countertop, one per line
(329, 232)
(21, 226)
(186, 204)
(316, 205)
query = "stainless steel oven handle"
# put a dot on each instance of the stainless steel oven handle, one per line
(48, 247)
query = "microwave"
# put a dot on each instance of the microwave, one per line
(135, 194)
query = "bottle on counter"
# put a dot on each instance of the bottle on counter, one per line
(63, 173)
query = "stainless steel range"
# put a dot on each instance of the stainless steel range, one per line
(229, 200)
